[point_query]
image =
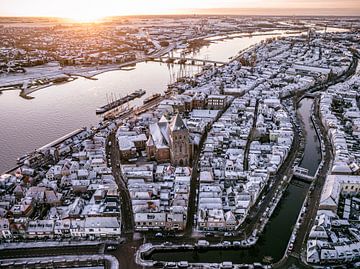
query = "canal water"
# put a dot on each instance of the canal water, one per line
(57, 110)
(312, 146)
(273, 242)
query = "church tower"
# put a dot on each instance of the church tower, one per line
(180, 151)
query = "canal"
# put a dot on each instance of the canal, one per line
(273, 242)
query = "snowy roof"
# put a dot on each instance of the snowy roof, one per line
(157, 136)
(177, 123)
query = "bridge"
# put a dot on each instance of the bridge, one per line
(302, 173)
(311, 95)
(184, 60)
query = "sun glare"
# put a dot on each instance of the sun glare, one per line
(86, 18)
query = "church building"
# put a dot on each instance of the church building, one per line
(169, 142)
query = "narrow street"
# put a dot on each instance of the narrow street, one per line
(256, 212)
(192, 209)
(126, 207)
(250, 138)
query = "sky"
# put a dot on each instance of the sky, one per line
(95, 9)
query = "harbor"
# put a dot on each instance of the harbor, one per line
(115, 103)
(219, 163)
(52, 107)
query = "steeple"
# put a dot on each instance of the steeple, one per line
(177, 124)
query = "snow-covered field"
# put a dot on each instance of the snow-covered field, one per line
(39, 77)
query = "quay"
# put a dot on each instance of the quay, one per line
(61, 139)
(120, 101)
(62, 261)
(44, 148)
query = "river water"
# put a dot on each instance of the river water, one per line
(60, 109)
(57, 110)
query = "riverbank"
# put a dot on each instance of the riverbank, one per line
(42, 77)
(62, 261)
(52, 244)
(46, 75)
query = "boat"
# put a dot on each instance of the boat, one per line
(120, 101)
(21, 159)
(117, 114)
(151, 98)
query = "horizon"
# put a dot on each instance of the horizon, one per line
(95, 10)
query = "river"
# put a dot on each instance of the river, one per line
(57, 110)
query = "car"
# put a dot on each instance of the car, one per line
(202, 243)
(209, 234)
(158, 235)
(170, 265)
(227, 234)
(158, 265)
(111, 247)
(183, 264)
(226, 244)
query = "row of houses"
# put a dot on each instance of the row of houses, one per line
(89, 228)
(159, 195)
(335, 236)
(76, 196)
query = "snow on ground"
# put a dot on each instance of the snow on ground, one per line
(52, 71)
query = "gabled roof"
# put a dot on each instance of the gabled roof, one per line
(163, 120)
(177, 123)
(157, 136)
(150, 142)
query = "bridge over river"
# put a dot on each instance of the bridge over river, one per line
(186, 60)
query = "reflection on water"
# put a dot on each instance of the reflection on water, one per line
(28, 124)
(60, 109)
(312, 146)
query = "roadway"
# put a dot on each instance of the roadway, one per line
(49, 251)
(184, 60)
(251, 138)
(113, 154)
(194, 184)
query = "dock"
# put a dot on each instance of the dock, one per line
(61, 139)
(120, 101)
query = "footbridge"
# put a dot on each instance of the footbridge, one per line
(302, 173)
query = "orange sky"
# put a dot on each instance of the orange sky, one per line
(94, 9)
